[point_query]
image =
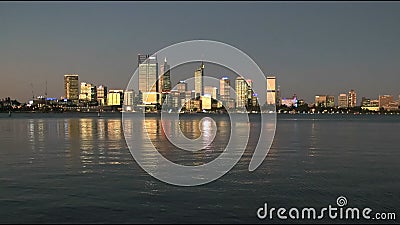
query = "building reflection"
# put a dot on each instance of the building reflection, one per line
(313, 148)
(193, 128)
(94, 141)
(37, 132)
(90, 142)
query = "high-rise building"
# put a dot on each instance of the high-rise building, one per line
(330, 101)
(352, 102)
(181, 86)
(115, 97)
(206, 102)
(102, 95)
(93, 93)
(71, 86)
(271, 90)
(129, 97)
(165, 78)
(385, 100)
(198, 80)
(251, 96)
(320, 100)
(211, 91)
(225, 91)
(241, 92)
(174, 99)
(148, 75)
(88, 92)
(343, 101)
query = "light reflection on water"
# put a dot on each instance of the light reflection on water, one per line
(71, 169)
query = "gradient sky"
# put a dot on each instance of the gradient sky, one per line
(313, 48)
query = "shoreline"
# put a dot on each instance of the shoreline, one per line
(195, 113)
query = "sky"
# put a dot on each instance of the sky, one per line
(312, 48)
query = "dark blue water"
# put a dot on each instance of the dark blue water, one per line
(77, 168)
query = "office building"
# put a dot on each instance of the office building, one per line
(206, 102)
(365, 101)
(211, 91)
(165, 78)
(330, 101)
(148, 75)
(115, 97)
(71, 87)
(181, 86)
(102, 95)
(385, 100)
(352, 102)
(88, 92)
(225, 91)
(343, 101)
(198, 80)
(241, 93)
(271, 90)
(129, 97)
(320, 101)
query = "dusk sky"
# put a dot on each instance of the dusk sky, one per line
(312, 48)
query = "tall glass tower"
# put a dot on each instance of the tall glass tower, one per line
(241, 93)
(148, 74)
(71, 86)
(198, 80)
(165, 78)
(271, 90)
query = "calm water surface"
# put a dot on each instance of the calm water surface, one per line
(77, 168)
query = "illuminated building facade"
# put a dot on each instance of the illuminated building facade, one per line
(241, 92)
(352, 102)
(271, 90)
(198, 80)
(343, 101)
(71, 87)
(148, 74)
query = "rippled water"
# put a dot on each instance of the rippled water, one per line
(77, 168)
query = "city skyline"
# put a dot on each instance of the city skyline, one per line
(87, 91)
(312, 47)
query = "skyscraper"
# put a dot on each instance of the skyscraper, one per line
(343, 101)
(225, 91)
(241, 92)
(165, 78)
(102, 95)
(251, 97)
(181, 86)
(148, 75)
(129, 97)
(271, 90)
(198, 80)
(71, 86)
(352, 99)
(88, 92)
(211, 91)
